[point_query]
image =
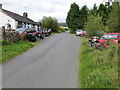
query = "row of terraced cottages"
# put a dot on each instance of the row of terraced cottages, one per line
(12, 20)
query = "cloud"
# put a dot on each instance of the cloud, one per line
(38, 8)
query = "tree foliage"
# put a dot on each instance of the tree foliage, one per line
(83, 13)
(104, 17)
(76, 17)
(113, 22)
(104, 11)
(94, 11)
(94, 25)
(50, 23)
(72, 18)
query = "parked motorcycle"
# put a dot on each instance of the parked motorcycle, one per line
(31, 37)
(93, 40)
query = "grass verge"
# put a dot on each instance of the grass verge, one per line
(98, 69)
(10, 50)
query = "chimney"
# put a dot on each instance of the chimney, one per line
(25, 14)
(0, 6)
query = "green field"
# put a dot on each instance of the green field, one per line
(98, 69)
(10, 50)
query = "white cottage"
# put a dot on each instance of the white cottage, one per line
(15, 20)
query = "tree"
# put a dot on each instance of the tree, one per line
(94, 11)
(83, 13)
(113, 21)
(104, 11)
(50, 23)
(76, 18)
(72, 17)
(94, 25)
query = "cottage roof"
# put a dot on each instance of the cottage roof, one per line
(19, 17)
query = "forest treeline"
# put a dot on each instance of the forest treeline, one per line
(99, 19)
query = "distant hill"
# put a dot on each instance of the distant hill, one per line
(62, 24)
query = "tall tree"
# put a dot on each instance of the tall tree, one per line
(104, 11)
(114, 20)
(83, 13)
(72, 17)
(94, 11)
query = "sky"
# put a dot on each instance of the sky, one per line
(36, 9)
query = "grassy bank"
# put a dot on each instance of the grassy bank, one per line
(98, 69)
(10, 50)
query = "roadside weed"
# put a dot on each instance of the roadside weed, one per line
(98, 69)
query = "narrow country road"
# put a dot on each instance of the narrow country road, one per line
(51, 64)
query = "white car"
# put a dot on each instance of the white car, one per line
(79, 32)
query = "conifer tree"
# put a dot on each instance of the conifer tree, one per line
(72, 17)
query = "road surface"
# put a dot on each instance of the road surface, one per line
(51, 64)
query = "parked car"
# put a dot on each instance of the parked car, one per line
(46, 33)
(49, 31)
(106, 38)
(28, 33)
(84, 34)
(79, 32)
(115, 37)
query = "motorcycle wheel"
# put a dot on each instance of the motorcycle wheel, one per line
(33, 39)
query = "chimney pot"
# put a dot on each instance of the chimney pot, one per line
(25, 14)
(0, 6)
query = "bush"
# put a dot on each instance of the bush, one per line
(94, 26)
(50, 23)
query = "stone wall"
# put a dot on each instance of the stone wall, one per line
(9, 35)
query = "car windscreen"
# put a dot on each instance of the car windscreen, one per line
(30, 30)
(21, 30)
(110, 36)
(79, 31)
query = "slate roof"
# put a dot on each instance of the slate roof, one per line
(18, 17)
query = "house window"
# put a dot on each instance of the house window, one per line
(20, 25)
(24, 25)
(28, 26)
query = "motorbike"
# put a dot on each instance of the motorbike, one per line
(31, 37)
(93, 40)
(41, 35)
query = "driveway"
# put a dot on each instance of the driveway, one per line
(51, 64)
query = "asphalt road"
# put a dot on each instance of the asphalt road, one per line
(51, 64)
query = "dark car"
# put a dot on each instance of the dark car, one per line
(28, 33)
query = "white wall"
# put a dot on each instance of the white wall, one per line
(36, 27)
(4, 19)
(30, 25)
(16, 24)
